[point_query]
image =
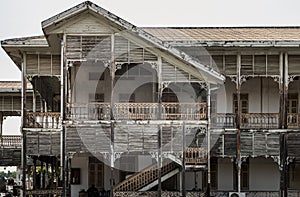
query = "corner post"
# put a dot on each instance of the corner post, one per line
(159, 129)
(208, 138)
(63, 116)
(112, 131)
(238, 121)
(183, 160)
(23, 124)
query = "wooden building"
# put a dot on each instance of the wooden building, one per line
(158, 111)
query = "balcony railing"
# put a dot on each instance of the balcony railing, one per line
(224, 120)
(247, 120)
(260, 120)
(49, 120)
(7, 141)
(293, 120)
(138, 111)
(195, 156)
(254, 120)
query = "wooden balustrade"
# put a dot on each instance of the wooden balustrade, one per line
(163, 194)
(195, 156)
(45, 192)
(260, 120)
(293, 120)
(137, 111)
(247, 120)
(50, 120)
(184, 111)
(7, 141)
(223, 120)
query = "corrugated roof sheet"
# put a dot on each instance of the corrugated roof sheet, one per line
(26, 41)
(226, 33)
(198, 34)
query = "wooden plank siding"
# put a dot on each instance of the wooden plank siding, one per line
(293, 145)
(43, 65)
(10, 157)
(43, 143)
(253, 144)
(129, 138)
(12, 103)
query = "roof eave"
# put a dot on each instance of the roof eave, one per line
(259, 43)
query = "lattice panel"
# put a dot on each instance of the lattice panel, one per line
(129, 52)
(88, 47)
(173, 73)
(43, 64)
(294, 64)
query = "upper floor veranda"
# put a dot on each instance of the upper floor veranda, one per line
(93, 66)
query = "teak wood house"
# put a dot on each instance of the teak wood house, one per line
(158, 111)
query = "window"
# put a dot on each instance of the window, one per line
(214, 173)
(245, 176)
(293, 103)
(75, 175)
(244, 103)
(96, 172)
(95, 76)
(294, 176)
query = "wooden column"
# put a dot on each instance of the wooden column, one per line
(34, 173)
(238, 121)
(285, 90)
(208, 139)
(159, 129)
(63, 117)
(42, 180)
(283, 114)
(283, 166)
(281, 91)
(1, 123)
(23, 124)
(183, 161)
(112, 131)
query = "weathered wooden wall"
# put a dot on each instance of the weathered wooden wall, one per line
(43, 65)
(130, 138)
(10, 156)
(43, 143)
(253, 144)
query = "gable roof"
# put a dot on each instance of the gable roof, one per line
(207, 72)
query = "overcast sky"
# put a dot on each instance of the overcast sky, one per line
(19, 18)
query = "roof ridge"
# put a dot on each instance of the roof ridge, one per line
(223, 27)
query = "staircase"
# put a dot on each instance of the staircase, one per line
(146, 178)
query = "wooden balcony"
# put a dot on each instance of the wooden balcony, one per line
(195, 156)
(138, 111)
(46, 120)
(247, 120)
(260, 120)
(293, 120)
(254, 120)
(224, 120)
(10, 141)
(163, 194)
